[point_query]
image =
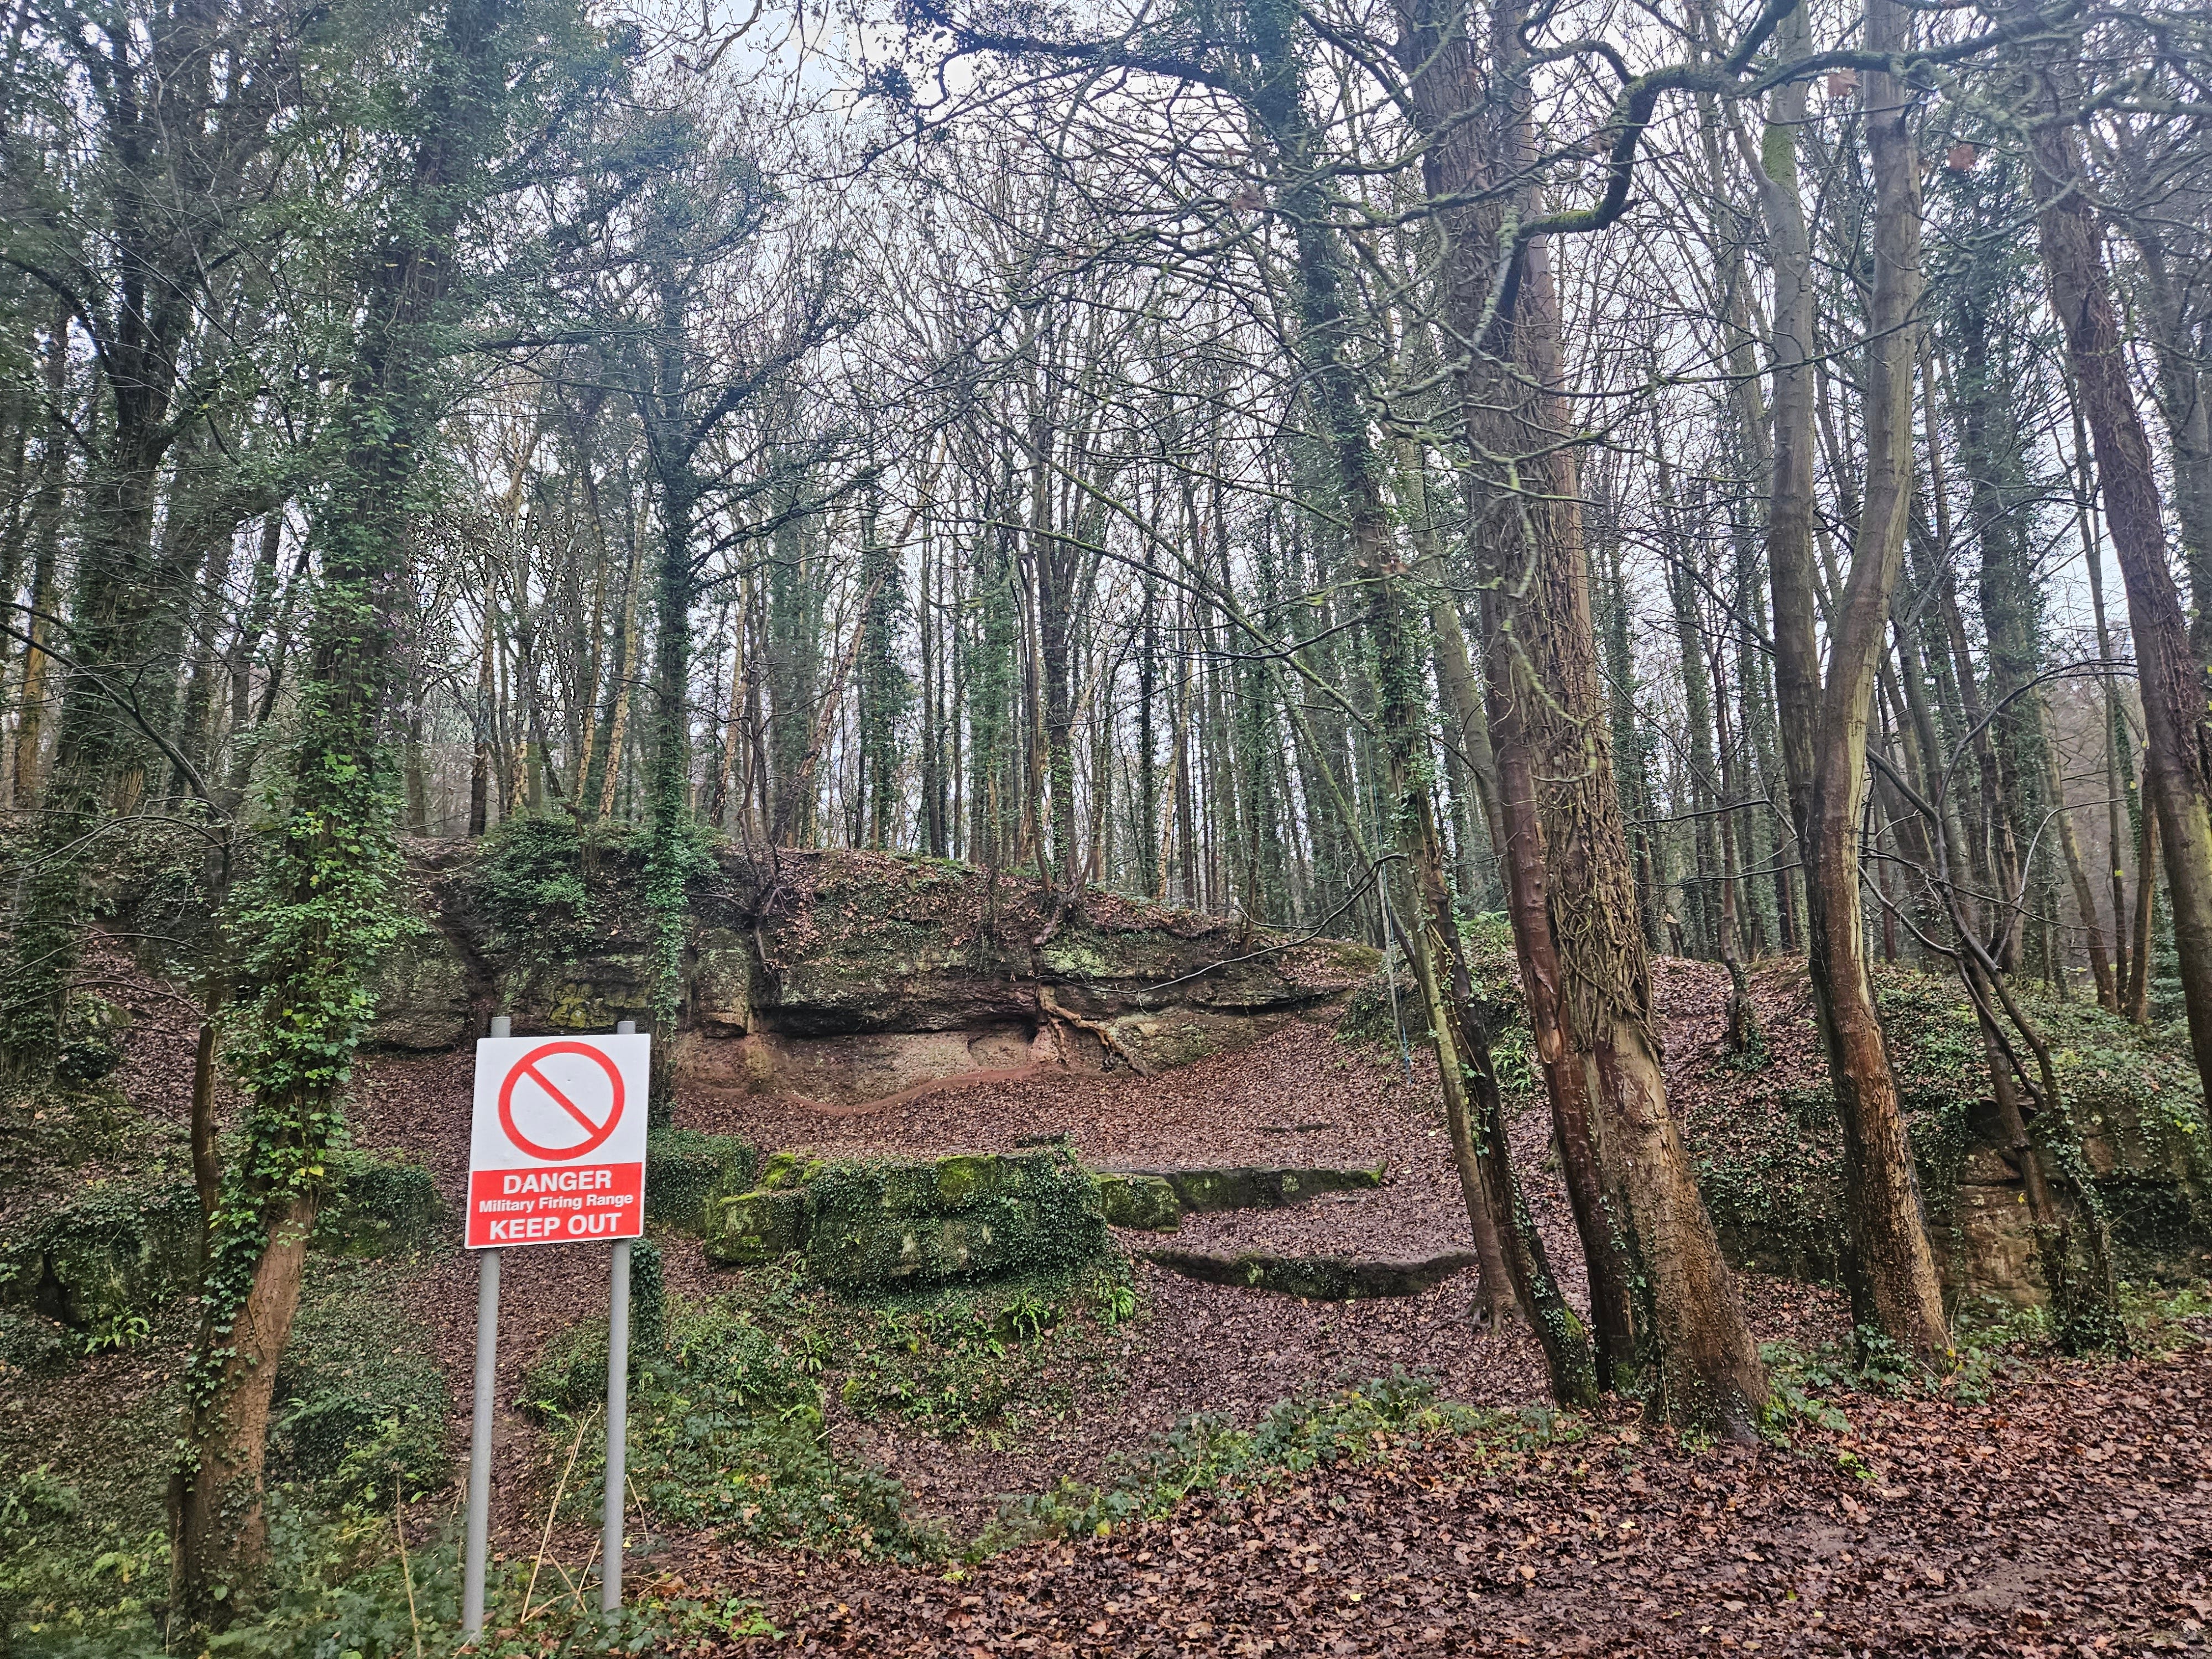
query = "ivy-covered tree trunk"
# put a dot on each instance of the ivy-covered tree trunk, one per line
(671, 847)
(1693, 1328)
(321, 908)
(1506, 1235)
(42, 531)
(884, 692)
(660, 388)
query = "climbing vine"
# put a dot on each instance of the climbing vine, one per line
(680, 849)
(309, 924)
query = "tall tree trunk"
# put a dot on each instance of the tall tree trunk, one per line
(2135, 1003)
(1706, 1365)
(1893, 1278)
(1505, 1234)
(324, 910)
(1566, 1071)
(2182, 398)
(2173, 680)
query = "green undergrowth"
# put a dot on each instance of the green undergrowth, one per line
(727, 1431)
(1208, 1453)
(105, 1245)
(361, 1408)
(358, 1420)
(731, 1408)
(1996, 1342)
(1772, 1172)
(369, 1584)
(541, 881)
(960, 1360)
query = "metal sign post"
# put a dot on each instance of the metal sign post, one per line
(480, 1410)
(472, 1579)
(556, 1155)
(610, 1506)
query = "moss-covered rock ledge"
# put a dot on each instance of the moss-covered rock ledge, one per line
(97, 1257)
(879, 1224)
(1763, 1129)
(1158, 1200)
(843, 976)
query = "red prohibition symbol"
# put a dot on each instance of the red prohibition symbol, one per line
(594, 1133)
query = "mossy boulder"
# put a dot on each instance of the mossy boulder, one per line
(118, 1249)
(745, 1229)
(92, 1039)
(722, 981)
(106, 1253)
(1158, 1200)
(879, 1224)
(1764, 1132)
(1145, 1201)
(978, 1217)
(842, 975)
(686, 1170)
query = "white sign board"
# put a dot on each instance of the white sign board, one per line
(556, 1149)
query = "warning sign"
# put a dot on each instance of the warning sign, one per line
(556, 1152)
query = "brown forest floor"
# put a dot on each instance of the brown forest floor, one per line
(2071, 1512)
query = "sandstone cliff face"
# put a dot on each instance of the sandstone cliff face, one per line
(842, 976)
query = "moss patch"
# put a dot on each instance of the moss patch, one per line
(878, 1222)
(686, 1170)
(1145, 1201)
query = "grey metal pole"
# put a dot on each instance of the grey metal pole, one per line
(487, 1386)
(610, 1527)
(486, 1390)
(612, 1509)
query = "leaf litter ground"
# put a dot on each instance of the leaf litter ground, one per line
(2068, 1509)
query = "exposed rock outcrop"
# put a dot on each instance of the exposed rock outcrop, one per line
(842, 977)
(1764, 1134)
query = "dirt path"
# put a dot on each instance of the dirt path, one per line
(1298, 1097)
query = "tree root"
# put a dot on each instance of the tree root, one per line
(1104, 1032)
